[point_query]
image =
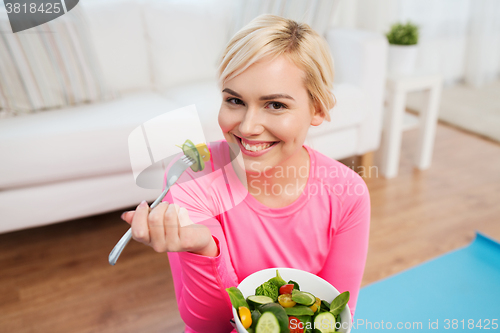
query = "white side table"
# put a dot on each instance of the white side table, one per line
(396, 120)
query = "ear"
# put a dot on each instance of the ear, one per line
(317, 116)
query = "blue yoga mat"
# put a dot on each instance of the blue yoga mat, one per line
(457, 292)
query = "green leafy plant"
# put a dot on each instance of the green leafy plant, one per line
(403, 34)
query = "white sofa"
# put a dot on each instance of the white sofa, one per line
(69, 163)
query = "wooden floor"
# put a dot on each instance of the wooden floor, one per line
(57, 279)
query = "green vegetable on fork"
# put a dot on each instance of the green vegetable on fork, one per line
(199, 153)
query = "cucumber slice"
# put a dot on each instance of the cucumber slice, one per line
(279, 313)
(259, 299)
(303, 297)
(325, 322)
(190, 150)
(268, 323)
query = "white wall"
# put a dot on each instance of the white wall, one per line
(483, 48)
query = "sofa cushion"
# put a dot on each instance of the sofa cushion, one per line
(337, 144)
(75, 198)
(349, 110)
(186, 38)
(117, 31)
(76, 142)
(48, 66)
(207, 98)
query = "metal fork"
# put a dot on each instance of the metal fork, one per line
(174, 173)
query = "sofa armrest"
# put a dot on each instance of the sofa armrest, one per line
(360, 58)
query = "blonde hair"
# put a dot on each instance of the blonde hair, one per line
(271, 35)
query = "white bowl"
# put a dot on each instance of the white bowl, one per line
(307, 282)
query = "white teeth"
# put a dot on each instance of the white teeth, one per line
(256, 147)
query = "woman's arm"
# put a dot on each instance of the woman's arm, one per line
(200, 284)
(200, 281)
(200, 276)
(348, 250)
(187, 228)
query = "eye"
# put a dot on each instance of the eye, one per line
(233, 100)
(276, 106)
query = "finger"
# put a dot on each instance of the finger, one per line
(184, 219)
(157, 227)
(128, 216)
(140, 229)
(172, 227)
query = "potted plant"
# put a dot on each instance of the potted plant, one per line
(403, 40)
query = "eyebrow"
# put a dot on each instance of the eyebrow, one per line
(262, 98)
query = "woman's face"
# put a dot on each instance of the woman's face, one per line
(267, 111)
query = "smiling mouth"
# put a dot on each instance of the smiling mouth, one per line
(255, 147)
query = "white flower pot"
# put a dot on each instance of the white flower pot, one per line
(402, 59)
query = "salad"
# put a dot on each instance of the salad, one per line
(279, 306)
(199, 153)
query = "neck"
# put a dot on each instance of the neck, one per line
(286, 179)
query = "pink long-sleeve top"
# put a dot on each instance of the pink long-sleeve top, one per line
(324, 231)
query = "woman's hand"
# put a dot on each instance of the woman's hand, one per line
(168, 228)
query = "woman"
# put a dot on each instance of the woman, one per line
(302, 209)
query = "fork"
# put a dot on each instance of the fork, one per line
(174, 174)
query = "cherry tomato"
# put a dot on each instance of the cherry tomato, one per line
(245, 316)
(286, 289)
(286, 300)
(295, 325)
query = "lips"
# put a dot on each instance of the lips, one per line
(242, 142)
(254, 142)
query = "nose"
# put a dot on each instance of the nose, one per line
(252, 123)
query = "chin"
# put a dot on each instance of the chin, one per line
(257, 167)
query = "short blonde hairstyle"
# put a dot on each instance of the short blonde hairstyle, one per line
(271, 35)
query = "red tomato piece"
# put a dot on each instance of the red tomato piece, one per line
(286, 289)
(295, 325)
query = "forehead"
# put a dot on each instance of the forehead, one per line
(268, 75)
